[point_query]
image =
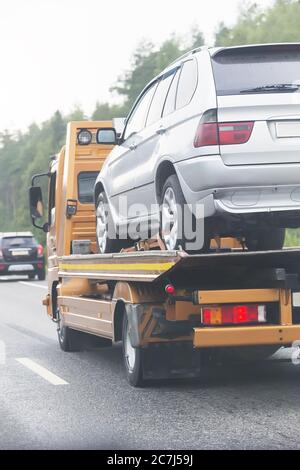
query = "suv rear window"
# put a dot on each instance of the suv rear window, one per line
(16, 242)
(241, 70)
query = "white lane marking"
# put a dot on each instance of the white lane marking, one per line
(33, 285)
(42, 371)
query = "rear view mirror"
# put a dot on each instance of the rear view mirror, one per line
(36, 202)
(36, 206)
(107, 136)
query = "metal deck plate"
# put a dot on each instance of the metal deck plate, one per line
(149, 266)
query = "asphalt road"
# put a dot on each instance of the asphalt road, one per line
(93, 407)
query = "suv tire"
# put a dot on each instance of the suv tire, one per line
(172, 200)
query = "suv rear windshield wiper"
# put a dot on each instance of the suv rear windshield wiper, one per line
(277, 88)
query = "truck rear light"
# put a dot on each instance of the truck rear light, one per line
(212, 132)
(40, 250)
(170, 289)
(234, 314)
(231, 133)
(2, 266)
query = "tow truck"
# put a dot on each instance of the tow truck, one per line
(174, 313)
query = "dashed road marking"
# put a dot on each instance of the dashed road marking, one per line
(33, 285)
(41, 371)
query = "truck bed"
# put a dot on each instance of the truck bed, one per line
(219, 269)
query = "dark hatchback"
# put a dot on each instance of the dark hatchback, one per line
(21, 254)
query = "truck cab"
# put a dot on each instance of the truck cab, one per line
(69, 219)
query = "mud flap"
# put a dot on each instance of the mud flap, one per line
(134, 315)
(171, 360)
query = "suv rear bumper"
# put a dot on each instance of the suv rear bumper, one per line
(13, 268)
(239, 189)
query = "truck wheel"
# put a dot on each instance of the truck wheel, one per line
(172, 218)
(31, 276)
(106, 234)
(133, 358)
(265, 240)
(69, 340)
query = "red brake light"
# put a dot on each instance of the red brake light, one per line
(231, 133)
(170, 289)
(234, 314)
(40, 250)
(207, 134)
(207, 131)
(210, 132)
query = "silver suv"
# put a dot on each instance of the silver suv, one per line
(219, 129)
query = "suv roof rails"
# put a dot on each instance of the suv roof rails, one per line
(186, 54)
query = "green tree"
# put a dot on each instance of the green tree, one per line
(277, 23)
(148, 61)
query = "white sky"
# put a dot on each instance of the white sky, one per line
(59, 53)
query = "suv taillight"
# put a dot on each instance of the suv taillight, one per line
(231, 133)
(207, 131)
(40, 250)
(212, 132)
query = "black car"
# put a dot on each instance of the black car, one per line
(20, 253)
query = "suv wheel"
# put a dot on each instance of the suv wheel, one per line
(172, 218)
(106, 235)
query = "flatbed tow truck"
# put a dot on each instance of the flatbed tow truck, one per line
(174, 313)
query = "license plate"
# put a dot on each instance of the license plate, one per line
(286, 129)
(20, 267)
(20, 252)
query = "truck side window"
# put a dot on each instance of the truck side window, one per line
(52, 188)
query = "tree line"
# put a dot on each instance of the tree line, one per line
(24, 153)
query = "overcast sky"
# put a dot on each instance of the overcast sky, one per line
(59, 53)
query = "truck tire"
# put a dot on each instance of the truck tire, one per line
(265, 240)
(107, 240)
(69, 340)
(31, 276)
(133, 357)
(172, 197)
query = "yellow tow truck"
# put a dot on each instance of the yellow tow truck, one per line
(174, 313)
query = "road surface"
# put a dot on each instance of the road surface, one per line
(56, 400)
